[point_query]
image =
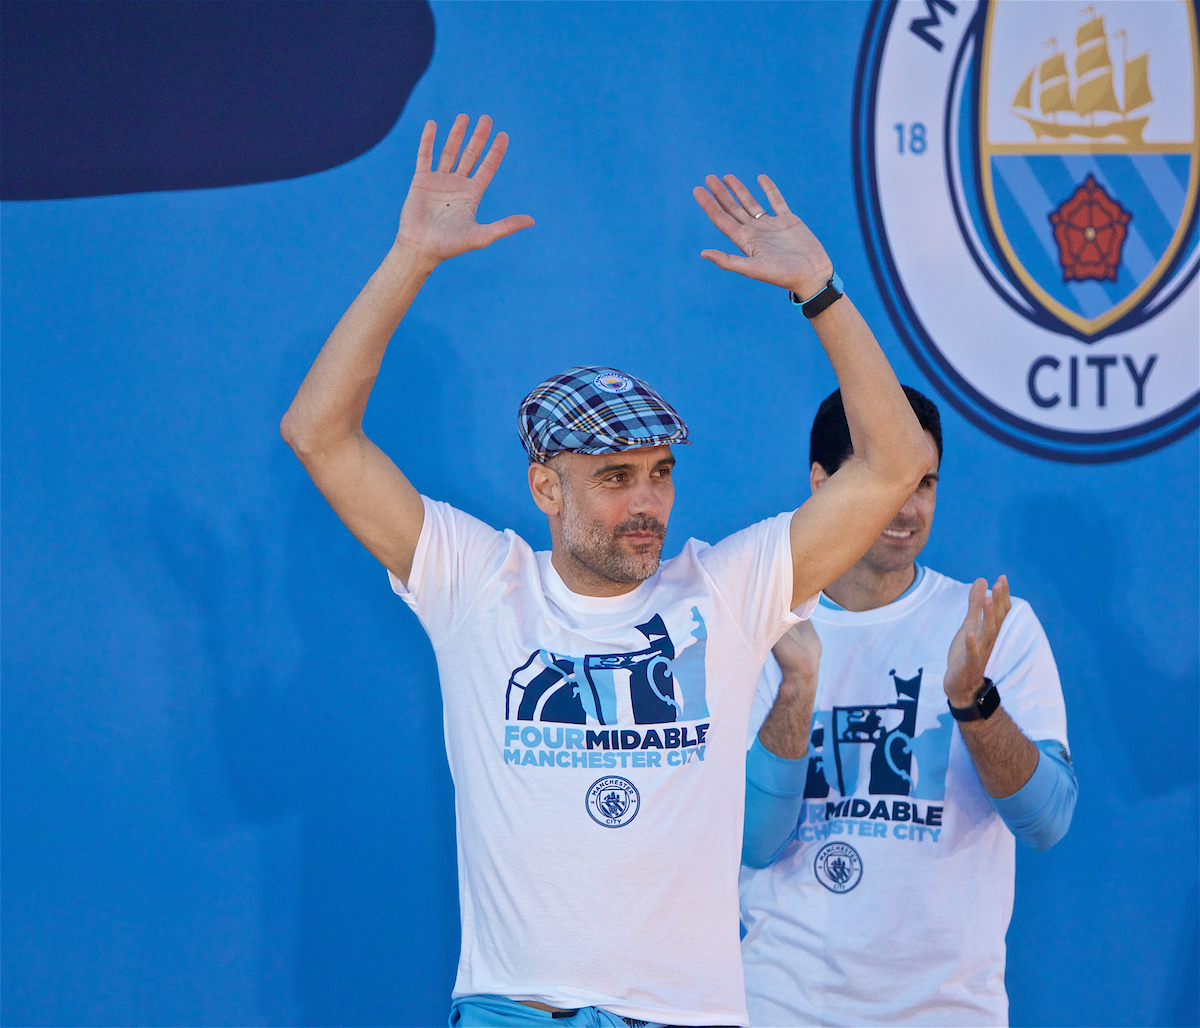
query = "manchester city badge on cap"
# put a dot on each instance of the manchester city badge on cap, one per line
(611, 382)
(595, 410)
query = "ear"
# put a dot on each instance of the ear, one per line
(546, 488)
(817, 476)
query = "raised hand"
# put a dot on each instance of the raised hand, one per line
(798, 652)
(438, 218)
(972, 646)
(778, 248)
(787, 727)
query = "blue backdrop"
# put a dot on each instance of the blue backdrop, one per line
(225, 799)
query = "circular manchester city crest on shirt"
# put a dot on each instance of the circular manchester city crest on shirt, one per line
(613, 801)
(1028, 178)
(838, 866)
(611, 382)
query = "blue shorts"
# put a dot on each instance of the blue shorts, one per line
(502, 1012)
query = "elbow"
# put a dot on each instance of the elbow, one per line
(288, 428)
(1046, 837)
(904, 462)
(1056, 830)
(1051, 824)
(296, 434)
(919, 457)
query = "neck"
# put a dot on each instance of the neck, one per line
(581, 579)
(865, 588)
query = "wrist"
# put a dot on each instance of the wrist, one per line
(409, 258)
(824, 298)
(813, 280)
(796, 689)
(963, 690)
(980, 705)
(962, 699)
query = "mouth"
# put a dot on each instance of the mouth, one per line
(896, 533)
(641, 538)
(642, 532)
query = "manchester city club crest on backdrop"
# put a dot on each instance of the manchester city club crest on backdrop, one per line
(1027, 176)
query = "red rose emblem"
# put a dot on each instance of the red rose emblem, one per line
(1090, 231)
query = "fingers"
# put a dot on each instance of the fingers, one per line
(453, 142)
(425, 150)
(971, 645)
(798, 650)
(491, 161)
(1001, 596)
(483, 129)
(729, 203)
(716, 214)
(975, 601)
(778, 204)
(750, 206)
(995, 609)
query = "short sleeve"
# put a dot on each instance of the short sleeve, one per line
(764, 696)
(1026, 676)
(752, 572)
(456, 556)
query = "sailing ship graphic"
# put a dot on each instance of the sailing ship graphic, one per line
(1095, 93)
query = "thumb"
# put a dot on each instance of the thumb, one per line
(725, 261)
(506, 227)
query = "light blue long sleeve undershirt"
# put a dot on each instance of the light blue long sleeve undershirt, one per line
(1039, 813)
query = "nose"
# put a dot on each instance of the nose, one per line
(644, 499)
(910, 511)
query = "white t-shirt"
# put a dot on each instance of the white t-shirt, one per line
(597, 750)
(892, 905)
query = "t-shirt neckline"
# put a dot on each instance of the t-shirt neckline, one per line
(556, 589)
(913, 596)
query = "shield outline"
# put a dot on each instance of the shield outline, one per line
(985, 150)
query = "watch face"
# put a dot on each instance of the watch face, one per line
(990, 699)
(823, 299)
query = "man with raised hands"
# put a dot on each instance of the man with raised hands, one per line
(596, 699)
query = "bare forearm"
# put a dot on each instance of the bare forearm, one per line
(883, 428)
(331, 401)
(1004, 757)
(786, 730)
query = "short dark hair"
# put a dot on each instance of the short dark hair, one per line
(829, 444)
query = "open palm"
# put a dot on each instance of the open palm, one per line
(779, 248)
(438, 218)
(971, 647)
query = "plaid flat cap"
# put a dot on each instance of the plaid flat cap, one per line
(595, 410)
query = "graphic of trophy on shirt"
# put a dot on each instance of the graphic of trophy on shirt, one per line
(889, 730)
(655, 685)
(901, 761)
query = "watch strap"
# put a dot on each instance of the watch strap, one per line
(821, 300)
(984, 706)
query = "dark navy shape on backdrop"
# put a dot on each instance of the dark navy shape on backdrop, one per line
(104, 97)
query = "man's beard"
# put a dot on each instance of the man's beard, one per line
(600, 550)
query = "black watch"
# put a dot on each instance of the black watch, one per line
(984, 706)
(814, 305)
